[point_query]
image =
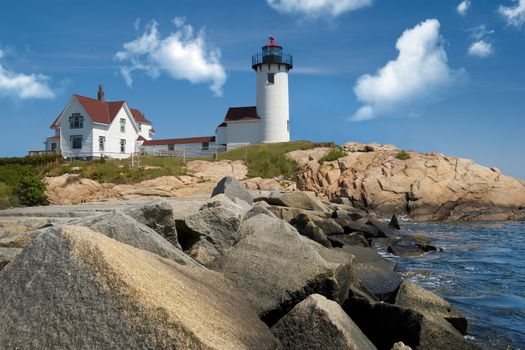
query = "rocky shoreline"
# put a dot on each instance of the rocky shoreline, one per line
(234, 271)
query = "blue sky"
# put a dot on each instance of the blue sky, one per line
(455, 82)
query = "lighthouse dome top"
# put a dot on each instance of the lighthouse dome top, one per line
(272, 43)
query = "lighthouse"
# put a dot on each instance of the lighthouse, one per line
(272, 66)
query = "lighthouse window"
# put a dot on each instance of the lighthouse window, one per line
(271, 78)
(288, 125)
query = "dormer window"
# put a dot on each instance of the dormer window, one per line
(140, 126)
(122, 125)
(76, 121)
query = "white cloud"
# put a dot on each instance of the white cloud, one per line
(463, 7)
(481, 48)
(479, 32)
(419, 75)
(183, 55)
(316, 8)
(514, 15)
(23, 86)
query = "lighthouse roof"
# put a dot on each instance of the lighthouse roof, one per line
(272, 43)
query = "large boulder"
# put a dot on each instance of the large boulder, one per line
(411, 296)
(275, 269)
(300, 200)
(385, 324)
(157, 215)
(411, 246)
(232, 188)
(258, 208)
(319, 323)
(206, 234)
(127, 230)
(73, 288)
(308, 228)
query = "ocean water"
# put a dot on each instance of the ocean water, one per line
(481, 272)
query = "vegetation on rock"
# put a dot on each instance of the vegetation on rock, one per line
(334, 154)
(403, 155)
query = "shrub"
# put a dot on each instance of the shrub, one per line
(6, 196)
(402, 155)
(334, 154)
(31, 191)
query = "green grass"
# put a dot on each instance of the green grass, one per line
(270, 160)
(334, 154)
(403, 155)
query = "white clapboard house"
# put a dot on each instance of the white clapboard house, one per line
(91, 128)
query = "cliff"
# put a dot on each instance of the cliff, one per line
(422, 186)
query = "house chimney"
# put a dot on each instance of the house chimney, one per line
(100, 93)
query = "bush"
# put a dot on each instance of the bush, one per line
(6, 196)
(334, 154)
(402, 155)
(31, 191)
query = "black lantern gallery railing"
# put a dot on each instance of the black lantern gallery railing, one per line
(272, 57)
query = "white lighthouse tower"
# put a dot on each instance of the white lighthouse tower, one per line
(272, 66)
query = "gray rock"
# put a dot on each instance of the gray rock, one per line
(258, 208)
(300, 200)
(385, 324)
(319, 323)
(157, 215)
(307, 228)
(382, 227)
(287, 214)
(349, 225)
(73, 288)
(341, 200)
(275, 269)
(7, 255)
(127, 230)
(409, 246)
(232, 188)
(412, 296)
(400, 346)
(378, 279)
(337, 256)
(354, 238)
(329, 226)
(212, 230)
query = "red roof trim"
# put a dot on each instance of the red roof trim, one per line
(179, 141)
(141, 138)
(241, 113)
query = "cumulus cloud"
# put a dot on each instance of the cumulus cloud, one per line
(481, 48)
(514, 15)
(184, 54)
(419, 75)
(463, 7)
(316, 8)
(23, 86)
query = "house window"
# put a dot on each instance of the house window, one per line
(122, 125)
(101, 143)
(53, 146)
(271, 78)
(140, 126)
(76, 142)
(76, 121)
(122, 146)
(171, 147)
(205, 146)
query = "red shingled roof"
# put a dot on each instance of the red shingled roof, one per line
(104, 112)
(139, 117)
(241, 113)
(179, 141)
(141, 138)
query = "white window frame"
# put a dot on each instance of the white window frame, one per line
(72, 138)
(76, 121)
(122, 125)
(101, 142)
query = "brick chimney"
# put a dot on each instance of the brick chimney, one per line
(100, 95)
